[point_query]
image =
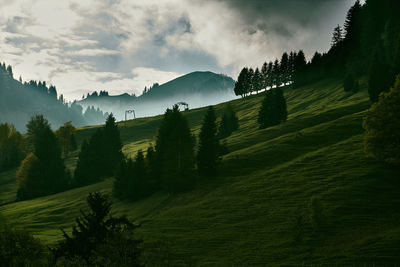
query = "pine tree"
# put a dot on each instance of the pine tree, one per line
(264, 75)
(273, 109)
(207, 156)
(350, 25)
(174, 152)
(112, 153)
(229, 122)
(337, 37)
(257, 81)
(270, 75)
(300, 64)
(276, 74)
(249, 83)
(45, 147)
(101, 156)
(284, 68)
(97, 233)
(240, 84)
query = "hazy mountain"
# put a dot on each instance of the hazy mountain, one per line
(20, 101)
(196, 88)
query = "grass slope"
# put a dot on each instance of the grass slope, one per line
(246, 216)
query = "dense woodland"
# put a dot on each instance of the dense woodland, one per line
(366, 47)
(21, 100)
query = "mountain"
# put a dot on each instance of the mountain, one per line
(20, 101)
(197, 89)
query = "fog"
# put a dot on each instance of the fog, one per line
(147, 108)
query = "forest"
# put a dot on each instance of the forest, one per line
(306, 157)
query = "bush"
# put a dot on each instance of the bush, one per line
(19, 248)
(30, 183)
(382, 126)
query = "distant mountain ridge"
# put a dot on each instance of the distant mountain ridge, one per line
(198, 82)
(198, 88)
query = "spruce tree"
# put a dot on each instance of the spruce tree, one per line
(207, 156)
(240, 84)
(229, 122)
(300, 64)
(174, 152)
(337, 37)
(284, 68)
(257, 81)
(273, 109)
(101, 156)
(264, 75)
(276, 74)
(44, 145)
(112, 146)
(97, 233)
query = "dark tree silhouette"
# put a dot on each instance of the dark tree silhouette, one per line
(337, 37)
(207, 155)
(50, 165)
(229, 122)
(273, 109)
(174, 152)
(98, 239)
(257, 81)
(101, 156)
(285, 69)
(241, 83)
(380, 79)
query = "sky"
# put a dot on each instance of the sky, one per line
(124, 45)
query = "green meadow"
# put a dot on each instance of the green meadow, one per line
(247, 215)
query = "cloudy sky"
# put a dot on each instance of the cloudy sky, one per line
(124, 45)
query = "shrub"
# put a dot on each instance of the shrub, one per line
(382, 126)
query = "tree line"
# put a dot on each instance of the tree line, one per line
(287, 70)
(19, 100)
(173, 165)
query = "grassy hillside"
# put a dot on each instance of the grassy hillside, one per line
(247, 215)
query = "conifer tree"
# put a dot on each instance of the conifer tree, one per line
(276, 73)
(337, 37)
(112, 145)
(270, 76)
(229, 122)
(300, 64)
(240, 84)
(257, 81)
(101, 156)
(264, 75)
(97, 233)
(273, 109)
(207, 155)
(284, 68)
(45, 147)
(174, 152)
(249, 85)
